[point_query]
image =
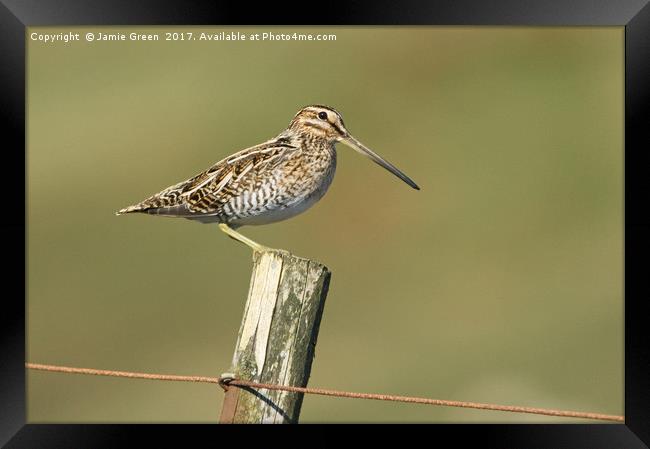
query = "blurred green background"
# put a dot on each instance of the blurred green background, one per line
(500, 281)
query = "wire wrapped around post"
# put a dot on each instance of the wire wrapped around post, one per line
(277, 338)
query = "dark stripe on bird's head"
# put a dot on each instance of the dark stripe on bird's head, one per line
(322, 106)
(338, 130)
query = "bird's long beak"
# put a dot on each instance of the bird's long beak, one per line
(361, 148)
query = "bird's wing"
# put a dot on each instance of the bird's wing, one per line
(205, 193)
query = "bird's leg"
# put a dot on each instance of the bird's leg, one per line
(241, 238)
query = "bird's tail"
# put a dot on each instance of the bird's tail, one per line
(131, 209)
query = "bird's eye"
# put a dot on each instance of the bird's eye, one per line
(322, 115)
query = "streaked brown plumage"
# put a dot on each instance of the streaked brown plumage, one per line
(269, 182)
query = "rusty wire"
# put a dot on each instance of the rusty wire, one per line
(227, 382)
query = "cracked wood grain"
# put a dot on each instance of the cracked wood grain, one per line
(277, 337)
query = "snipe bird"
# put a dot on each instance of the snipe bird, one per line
(269, 182)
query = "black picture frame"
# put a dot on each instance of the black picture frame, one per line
(16, 15)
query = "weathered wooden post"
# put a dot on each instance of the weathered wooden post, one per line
(277, 338)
